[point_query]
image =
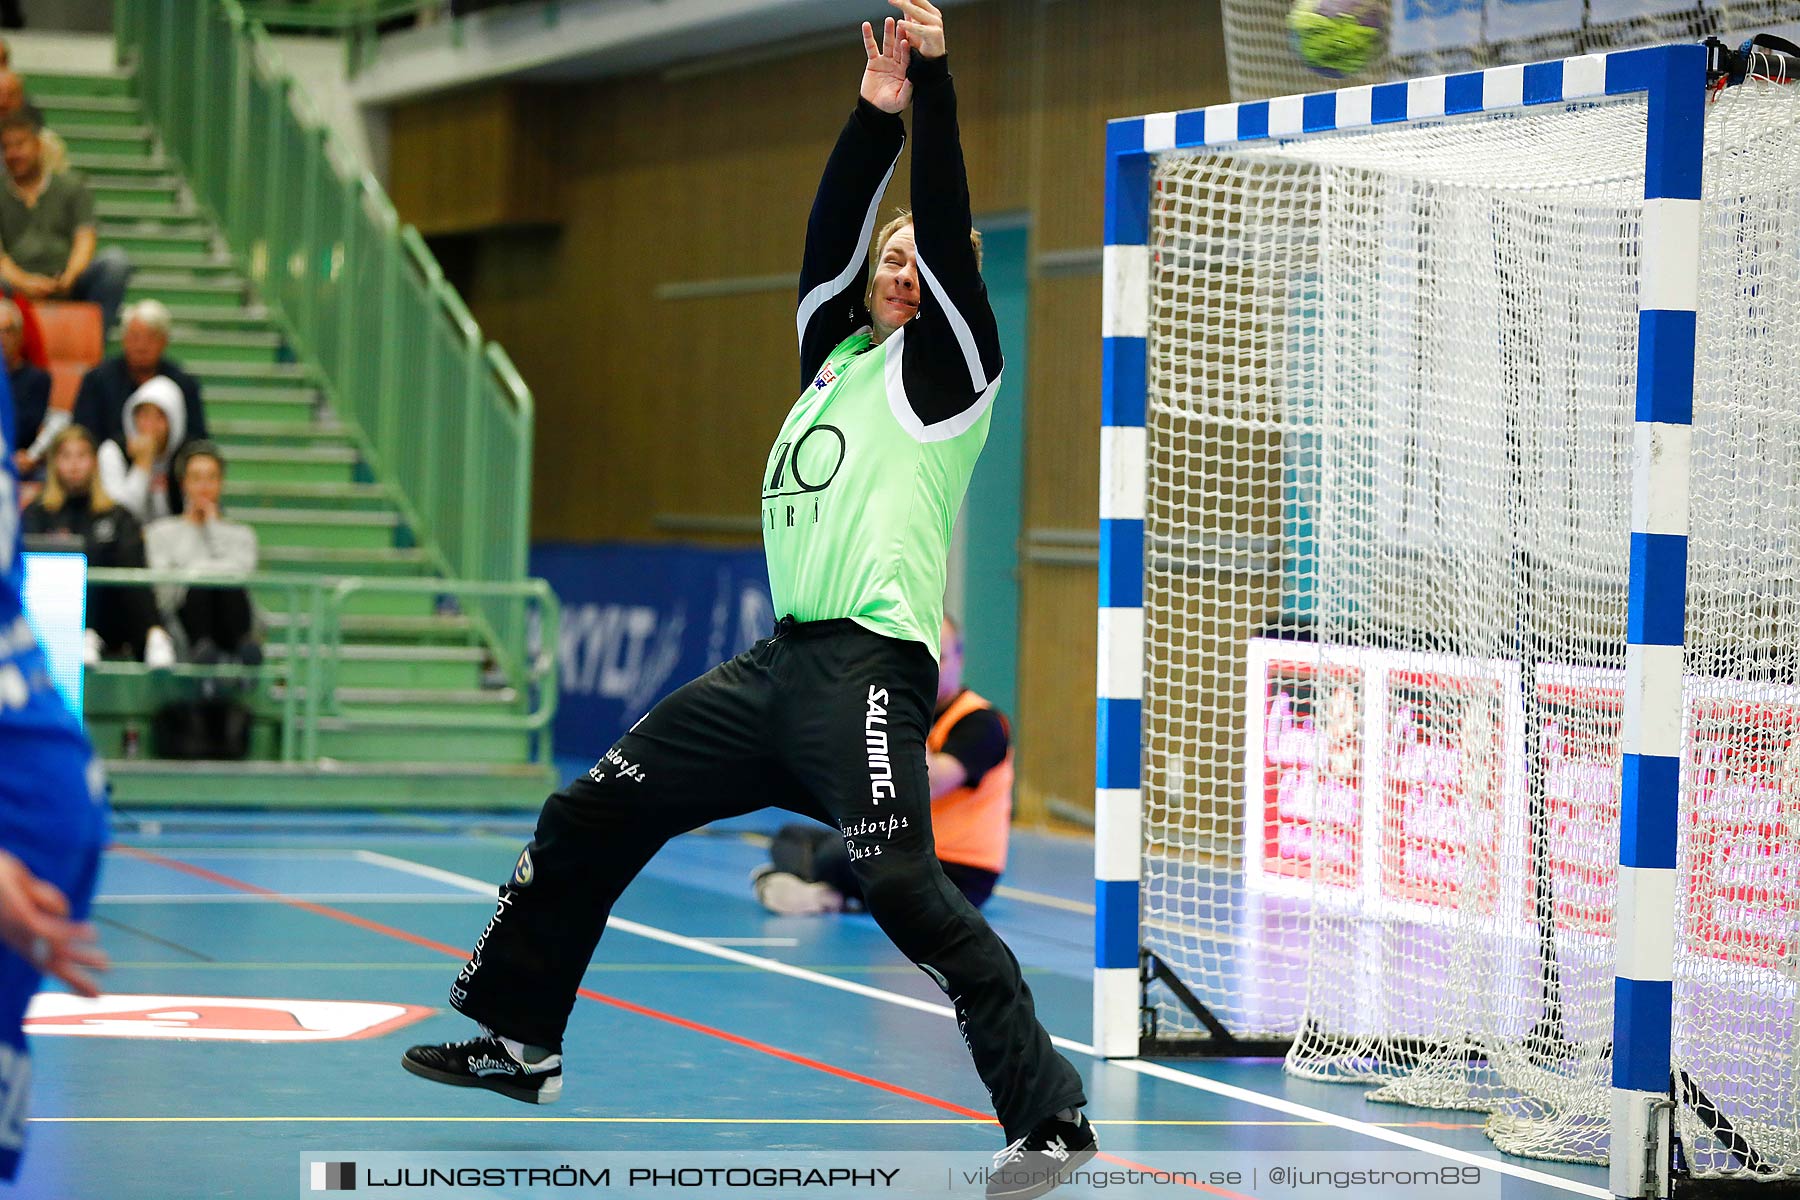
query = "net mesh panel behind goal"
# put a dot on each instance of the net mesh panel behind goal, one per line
(1390, 430)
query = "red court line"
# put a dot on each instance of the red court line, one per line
(335, 914)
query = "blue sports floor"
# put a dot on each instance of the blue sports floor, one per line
(705, 1024)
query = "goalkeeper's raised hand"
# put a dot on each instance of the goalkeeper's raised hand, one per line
(923, 28)
(884, 82)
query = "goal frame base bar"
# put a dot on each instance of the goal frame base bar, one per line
(1189, 1047)
(1706, 1187)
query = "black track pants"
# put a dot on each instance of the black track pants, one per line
(824, 714)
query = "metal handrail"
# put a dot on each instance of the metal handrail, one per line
(311, 649)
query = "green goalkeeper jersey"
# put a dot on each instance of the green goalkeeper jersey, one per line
(857, 510)
(862, 487)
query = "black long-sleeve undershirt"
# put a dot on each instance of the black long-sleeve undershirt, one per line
(950, 351)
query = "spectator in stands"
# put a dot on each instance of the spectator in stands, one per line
(13, 100)
(34, 424)
(969, 756)
(137, 472)
(48, 238)
(100, 404)
(217, 622)
(75, 512)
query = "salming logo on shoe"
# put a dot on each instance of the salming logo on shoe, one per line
(1057, 1150)
(881, 767)
(492, 1066)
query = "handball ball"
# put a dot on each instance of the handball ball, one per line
(1337, 37)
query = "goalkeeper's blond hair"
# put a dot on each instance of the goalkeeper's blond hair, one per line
(902, 218)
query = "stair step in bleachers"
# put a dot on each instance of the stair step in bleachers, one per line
(156, 237)
(414, 668)
(416, 785)
(260, 404)
(422, 629)
(90, 142)
(199, 260)
(104, 166)
(224, 320)
(274, 375)
(361, 741)
(303, 497)
(280, 433)
(319, 527)
(137, 198)
(179, 252)
(46, 87)
(325, 560)
(364, 675)
(409, 702)
(68, 111)
(264, 464)
(186, 290)
(195, 347)
(117, 209)
(363, 602)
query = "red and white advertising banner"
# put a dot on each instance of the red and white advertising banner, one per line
(1378, 774)
(1451, 788)
(1305, 774)
(1580, 714)
(1741, 828)
(1397, 781)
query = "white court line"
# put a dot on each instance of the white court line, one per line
(751, 941)
(462, 882)
(299, 852)
(1154, 1070)
(1043, 898)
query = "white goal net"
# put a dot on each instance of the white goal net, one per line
(1390, 428)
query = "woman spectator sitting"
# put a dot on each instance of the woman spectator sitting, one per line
(76, 512)
(137, 473)
(216, 622)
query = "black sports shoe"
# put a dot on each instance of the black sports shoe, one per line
(484, 1063)
(1043, 1159)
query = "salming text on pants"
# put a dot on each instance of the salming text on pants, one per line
(827, 714)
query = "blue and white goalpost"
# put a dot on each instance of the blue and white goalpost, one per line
(1429, 746)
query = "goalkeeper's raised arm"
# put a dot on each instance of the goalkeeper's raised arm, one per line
(834, 272)
(926, 263)
(952, 352)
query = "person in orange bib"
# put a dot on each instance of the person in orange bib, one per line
(971, 765)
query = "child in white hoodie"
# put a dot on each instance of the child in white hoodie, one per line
(137, 474)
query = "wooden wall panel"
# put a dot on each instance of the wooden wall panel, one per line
(476, 160)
